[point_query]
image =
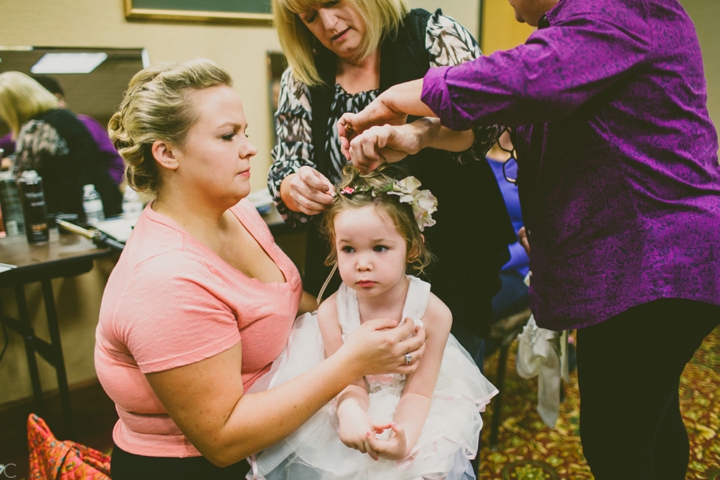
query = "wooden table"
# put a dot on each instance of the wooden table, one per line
(64, 255)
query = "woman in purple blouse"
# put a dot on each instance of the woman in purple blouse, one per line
(620, 189)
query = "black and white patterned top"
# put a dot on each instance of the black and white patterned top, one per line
(37, 143)
(447, 42)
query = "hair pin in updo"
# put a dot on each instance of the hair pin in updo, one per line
(423, 202)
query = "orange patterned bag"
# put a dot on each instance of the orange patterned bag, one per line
(53, 459)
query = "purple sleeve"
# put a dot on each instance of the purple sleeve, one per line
(114, 162)
(7, 144)
(556, 71)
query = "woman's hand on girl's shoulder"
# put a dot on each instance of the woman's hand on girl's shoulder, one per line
(379, 346)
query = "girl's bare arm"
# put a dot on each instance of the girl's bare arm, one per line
(414, 405)
(353, 401)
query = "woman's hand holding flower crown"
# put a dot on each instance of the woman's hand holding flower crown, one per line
(387, 143)
(390, 107)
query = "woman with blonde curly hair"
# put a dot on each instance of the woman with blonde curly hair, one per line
(52, 141)
(202, 300)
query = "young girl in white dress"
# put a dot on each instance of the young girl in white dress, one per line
(424, 425)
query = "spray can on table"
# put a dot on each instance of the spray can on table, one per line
(34, 209)
(10, 204)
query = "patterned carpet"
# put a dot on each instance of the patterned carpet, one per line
(528, 450)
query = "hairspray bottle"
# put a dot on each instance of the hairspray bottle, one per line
(10, 205)
(33, 206)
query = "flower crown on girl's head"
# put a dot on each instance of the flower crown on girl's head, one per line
(357, 190)
(423, 203)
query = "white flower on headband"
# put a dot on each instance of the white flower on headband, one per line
(424, 203)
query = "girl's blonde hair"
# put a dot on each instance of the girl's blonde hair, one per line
(156, 106)
(21, 99)
(401, 214)
(382, 19)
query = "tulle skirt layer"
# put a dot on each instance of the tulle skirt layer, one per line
(449, 437)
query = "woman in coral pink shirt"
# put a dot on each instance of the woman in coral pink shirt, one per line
(202, 300)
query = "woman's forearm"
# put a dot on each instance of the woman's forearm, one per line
(433, 135)
(285, 408)
(262, 419)
(405, 98)
(207, 402)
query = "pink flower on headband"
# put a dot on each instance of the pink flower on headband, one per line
(347, 191)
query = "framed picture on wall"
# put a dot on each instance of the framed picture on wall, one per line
(255, 11)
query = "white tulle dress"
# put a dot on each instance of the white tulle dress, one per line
(449, 437)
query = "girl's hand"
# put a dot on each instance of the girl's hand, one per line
(378, 112)
(378, 346)
(307, 191)
(355, 424)
(395, 447)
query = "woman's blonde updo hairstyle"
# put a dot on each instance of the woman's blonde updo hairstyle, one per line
(401, 214)
(156, 107)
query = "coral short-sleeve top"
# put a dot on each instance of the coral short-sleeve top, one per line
(170, 302)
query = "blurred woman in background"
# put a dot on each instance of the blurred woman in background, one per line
(53, 142)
